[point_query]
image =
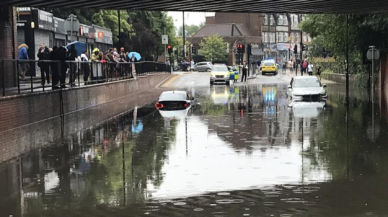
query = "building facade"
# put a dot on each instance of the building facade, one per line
(234, 28)
(280, 36)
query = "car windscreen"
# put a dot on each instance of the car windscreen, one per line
(307, 83)
(219, 69)
(269, 64)
(172, 96)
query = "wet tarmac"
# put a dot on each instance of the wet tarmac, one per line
(240, 151)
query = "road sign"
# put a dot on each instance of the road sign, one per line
(164, 39)
(376, 55)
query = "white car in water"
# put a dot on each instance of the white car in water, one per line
(306, 88)
(174, 104)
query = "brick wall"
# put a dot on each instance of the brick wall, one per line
(21, 110)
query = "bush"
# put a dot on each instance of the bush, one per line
(327, 72)
(361, 80)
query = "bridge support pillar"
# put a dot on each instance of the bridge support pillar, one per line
(7, 46)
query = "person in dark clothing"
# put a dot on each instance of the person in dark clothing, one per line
(54, 67)
(72, 55)
(44, 54)
(63, 66)
(244, 72)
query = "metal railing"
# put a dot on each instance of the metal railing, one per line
(29, 76)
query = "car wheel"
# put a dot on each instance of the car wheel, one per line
(211, 83)
(208, 70)
(227, 83)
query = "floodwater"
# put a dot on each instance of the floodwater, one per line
(242, 151)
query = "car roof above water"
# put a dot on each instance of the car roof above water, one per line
(173, 95)
(305, 78)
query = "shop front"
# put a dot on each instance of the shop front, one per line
(60, 34)
(104, 38)
(87, 35)
(283, 52)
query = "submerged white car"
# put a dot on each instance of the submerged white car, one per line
(306, 88)
(174, 104)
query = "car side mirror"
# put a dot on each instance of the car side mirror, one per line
(324, 85)
(289, 86)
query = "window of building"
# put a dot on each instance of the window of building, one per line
(293, 37)
(285, 20)
(266, 37)
(304, 38)
(266, 19)
(309, 38)
(272, 37)
(271, 20)
(297, 37)
(286, 37)
(280, 20)
(295, 20)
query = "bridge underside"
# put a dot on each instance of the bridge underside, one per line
(278, 6)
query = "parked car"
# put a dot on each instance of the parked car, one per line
(219, 73)
(203, 67)
(306, 88)
(269, 67)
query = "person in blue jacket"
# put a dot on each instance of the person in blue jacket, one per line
(23, 60)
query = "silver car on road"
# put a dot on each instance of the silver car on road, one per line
(203, 67)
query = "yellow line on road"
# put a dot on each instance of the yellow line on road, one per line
(166, 84)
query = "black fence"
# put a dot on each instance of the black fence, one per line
(16, 76)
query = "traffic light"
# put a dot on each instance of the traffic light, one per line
(295, 49)
(249, 49)
(193, 50)
(169, 48)
(302, 47)
(240, 48)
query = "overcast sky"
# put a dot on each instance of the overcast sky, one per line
(190, 17)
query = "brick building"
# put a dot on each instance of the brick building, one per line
(234, 28)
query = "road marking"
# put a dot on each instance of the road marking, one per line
(166, 84)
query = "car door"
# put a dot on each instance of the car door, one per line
(201, 67)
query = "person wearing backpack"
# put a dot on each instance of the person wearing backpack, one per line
(304, 66)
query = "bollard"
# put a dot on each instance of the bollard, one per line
(17, 75)
(32, 83)
(3, 72)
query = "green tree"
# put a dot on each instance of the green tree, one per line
(191, 29)
(213, 48)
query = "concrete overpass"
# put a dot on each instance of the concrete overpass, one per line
(261, 6)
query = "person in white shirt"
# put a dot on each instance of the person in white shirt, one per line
(192, 65)
(310, 69)
(85, 65)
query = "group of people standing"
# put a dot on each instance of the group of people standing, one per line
(63, 61)
(305, 68)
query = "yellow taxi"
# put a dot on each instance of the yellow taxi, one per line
(269, 67)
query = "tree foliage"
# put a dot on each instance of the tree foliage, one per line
(191, 29)
(213, 48)
(329, 32)
(141, 31)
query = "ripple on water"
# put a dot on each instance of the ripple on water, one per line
(223, 193)
(198, 209)
(179, 203)
(229, 201)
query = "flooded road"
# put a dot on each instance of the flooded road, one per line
(241, 151)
